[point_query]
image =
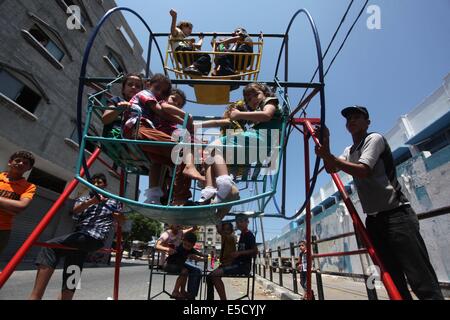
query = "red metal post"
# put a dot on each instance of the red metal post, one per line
(308, 219)
(60, 246)
(360, 229)
(29, 242)
(118, 244)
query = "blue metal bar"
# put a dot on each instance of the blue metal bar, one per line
(223, 34)
(218, 82)
(149, 56)
(322, 99)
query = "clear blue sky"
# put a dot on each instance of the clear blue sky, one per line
(389, 70)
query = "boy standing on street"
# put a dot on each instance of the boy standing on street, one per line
(16, 192)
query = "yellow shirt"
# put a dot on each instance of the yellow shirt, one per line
(13, 190)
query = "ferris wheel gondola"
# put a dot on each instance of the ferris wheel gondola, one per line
(246, 65)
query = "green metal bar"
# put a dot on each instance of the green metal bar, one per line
(173, 208)
(125, 182)
(112, 152)
(259, 201)
(97, 114)
(172, 183)
(158, 143)
(83, 139)
(267, 202)
(122, 150)
(110, 108)
(108, 86)
(204, 118)
(282, 146)
(275, 179)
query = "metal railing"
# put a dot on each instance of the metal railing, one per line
(273, 262)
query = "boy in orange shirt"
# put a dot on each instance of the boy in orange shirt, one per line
(16, 192)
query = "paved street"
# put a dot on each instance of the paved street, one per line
(335, 288)
(97, 284)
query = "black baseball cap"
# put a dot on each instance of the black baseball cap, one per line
(355, 109)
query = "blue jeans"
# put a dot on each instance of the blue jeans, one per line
(194, 279)
(303, 279)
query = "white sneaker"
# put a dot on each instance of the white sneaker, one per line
(225, 187)
(231, 196)
(206, 195)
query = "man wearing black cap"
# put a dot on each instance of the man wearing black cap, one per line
(391, 222)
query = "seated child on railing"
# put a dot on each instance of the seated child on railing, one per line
(178, 34)
(146, 125)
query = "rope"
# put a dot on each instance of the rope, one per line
(344, 17)
(340, 48)
(347, 36)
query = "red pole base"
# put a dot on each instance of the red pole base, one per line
(118, 244)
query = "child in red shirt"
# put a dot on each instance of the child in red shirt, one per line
(16, 192)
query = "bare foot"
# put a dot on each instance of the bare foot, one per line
(193, 173)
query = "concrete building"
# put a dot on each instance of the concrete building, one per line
(40, 64)
(209, 239)
(420, 142)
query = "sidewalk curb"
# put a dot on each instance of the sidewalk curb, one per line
(276, 290)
